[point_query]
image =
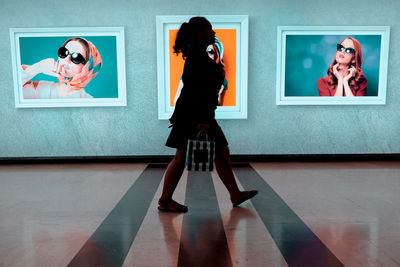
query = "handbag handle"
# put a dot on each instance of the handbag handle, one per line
(198, 135)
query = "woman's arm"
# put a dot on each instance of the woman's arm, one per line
(362, 90)
(346, 79)
(178, 91)
(172, 120)
(203, 79)
(221, 96)
(47, 66)
(323, 88)
(339, 87)
(347, 89)
(210, 84)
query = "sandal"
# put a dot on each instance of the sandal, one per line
(171, 206)
(244, 195)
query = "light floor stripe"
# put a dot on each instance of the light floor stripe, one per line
(249, 241)
(110, 243)
(203, 240)
(297, 243)
(158, 240)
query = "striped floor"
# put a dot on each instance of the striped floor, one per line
(306, 214)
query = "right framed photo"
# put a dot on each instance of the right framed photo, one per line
(332, 65)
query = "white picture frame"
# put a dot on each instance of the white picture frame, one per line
(290, 38)
(34, 44)
(238, 23)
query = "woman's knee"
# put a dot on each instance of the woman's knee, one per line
(222, 155)
(180, 157)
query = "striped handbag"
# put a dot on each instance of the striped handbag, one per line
(200, 154)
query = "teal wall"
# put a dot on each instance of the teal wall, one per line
(135, 129)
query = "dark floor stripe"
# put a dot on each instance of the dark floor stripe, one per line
(297, 243)
(203, 240)
(110, 243)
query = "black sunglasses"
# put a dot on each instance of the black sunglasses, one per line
(211, 51)
(76, 58)
(347, 50)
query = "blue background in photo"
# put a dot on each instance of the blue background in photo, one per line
(308, 58)
(104, 85)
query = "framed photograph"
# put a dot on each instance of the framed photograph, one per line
(232, 45)
(332, 65)
(68, 67)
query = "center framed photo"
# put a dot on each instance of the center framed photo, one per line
(231, 47)
(332, 65)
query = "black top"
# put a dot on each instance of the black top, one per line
(202, 79)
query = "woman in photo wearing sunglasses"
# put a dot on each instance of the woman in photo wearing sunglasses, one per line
(195, 111)
(216, 52)
(345, 76)
(78, 63)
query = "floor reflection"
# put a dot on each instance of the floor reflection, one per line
(202, 237)
(295, 240)
(203, 241)
(237, 222)
(171, 230)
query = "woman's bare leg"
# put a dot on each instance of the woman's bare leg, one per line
(173, 175)
(224, 169)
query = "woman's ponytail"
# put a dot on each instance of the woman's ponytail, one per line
(183, 41)
(189, 39)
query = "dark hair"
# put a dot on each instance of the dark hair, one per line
(189, 38)
(83, 42)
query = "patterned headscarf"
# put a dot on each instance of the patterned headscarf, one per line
(88, 72)
(220, 47)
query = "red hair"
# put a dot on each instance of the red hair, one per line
(357, 61)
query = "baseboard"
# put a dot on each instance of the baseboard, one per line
(234, 158)
(315, 157)
(88, 159)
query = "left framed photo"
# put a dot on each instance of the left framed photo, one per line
(68, 67)
(230, 48)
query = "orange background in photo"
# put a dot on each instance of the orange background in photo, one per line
(228, 38)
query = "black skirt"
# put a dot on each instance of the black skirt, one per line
(182, 132)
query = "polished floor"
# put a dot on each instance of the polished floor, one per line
(306, 214)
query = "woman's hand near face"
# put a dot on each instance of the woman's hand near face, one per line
(336, 72)
(339, 87)
(47, 66)
(352, 72)
(346, 79)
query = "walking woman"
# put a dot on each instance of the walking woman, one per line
(195, 111)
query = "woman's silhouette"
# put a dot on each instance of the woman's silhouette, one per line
(195, 111)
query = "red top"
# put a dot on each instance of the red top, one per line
(324, 90)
